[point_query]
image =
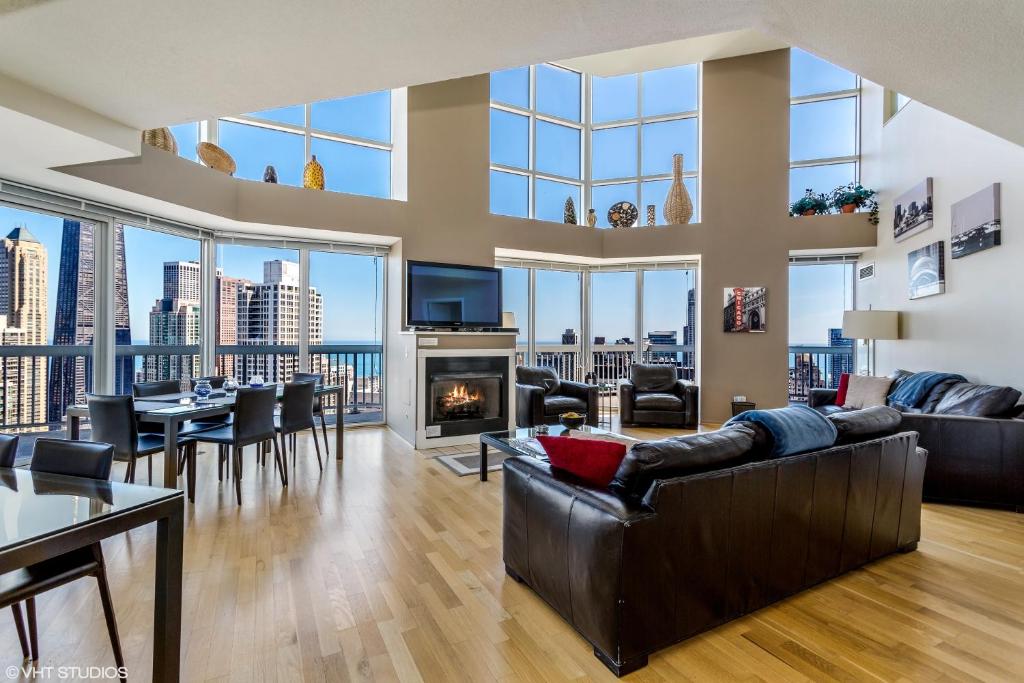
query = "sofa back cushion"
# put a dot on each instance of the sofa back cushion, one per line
(545, 378)
(678, 456)
(977, 400)
(652, 377)
(865, 392)
(794, 429)
(869, 423)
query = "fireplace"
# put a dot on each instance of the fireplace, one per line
(465, 395)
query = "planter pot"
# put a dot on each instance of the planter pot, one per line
(808, 212)
(849, 208)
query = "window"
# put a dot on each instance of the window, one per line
(515, 295)
(670, 318)
(164, 290)
(537, 139)
(818, 353)
(824, 140)
(544, 149)
(47, 300)
(187, 137)
(613, 318)
(559, 322)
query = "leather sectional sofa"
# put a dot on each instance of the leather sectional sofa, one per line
(975, 455)
(701, 529)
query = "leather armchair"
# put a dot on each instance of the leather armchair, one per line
(541, 397)
(654, 396)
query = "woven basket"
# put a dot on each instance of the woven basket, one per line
(161, 138)
(216, 158)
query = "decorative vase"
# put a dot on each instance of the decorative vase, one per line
(652, 218)
(161, 138)
(678, 207)
(569, 214)
(313, 175)
(849, 208)
(270, 174)
(203, 388)
(591, 217)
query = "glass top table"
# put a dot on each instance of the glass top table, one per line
(43, 516)
(517, 441)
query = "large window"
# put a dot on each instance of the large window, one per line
(351, 138)
(670, 318)
(559, 331)
(546, 147)
(824, 140)
(819, 293)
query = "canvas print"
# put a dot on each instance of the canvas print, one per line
(912, 212)
(976, 222)
(745, 309)
(927, 270)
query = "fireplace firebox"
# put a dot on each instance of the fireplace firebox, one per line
(465, 395)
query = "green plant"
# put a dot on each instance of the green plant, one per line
(859, 196)
(817, 203)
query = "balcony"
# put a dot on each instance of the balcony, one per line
(817, 367)
(608, 362)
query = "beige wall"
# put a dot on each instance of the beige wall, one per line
(975, 328)
(744, 239)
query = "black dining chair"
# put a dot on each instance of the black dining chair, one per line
(85, 459)
(163, 387)
(113, 421)
(318, 405)
(297, 416)
(253, 424)
(8, 449)
(159, 387)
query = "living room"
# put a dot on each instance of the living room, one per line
(567, 329)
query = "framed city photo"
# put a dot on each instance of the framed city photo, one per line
(926, 270)
(976, 222)
(745, 309)
(912, 211)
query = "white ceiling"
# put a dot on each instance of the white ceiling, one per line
(146, 63)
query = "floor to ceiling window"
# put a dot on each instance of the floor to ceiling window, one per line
(160, 318)
(613, 318)
(547, 147)
(824, 122)
(47, 311)
(819, 293)
(670, 318)
(515, 292)
(558, 333)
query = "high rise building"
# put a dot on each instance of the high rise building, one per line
(71, 377)
(268, 314)
(841, 363)
(228, 291)
(22, 323)
(662, 338)
(690, 330)
(174, 321)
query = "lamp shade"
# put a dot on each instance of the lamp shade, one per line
(871, 324)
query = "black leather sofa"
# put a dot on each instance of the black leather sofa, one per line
(541, 397)
(653, 395)
(973, 459)
(698, 533)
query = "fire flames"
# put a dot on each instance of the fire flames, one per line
(459, 396)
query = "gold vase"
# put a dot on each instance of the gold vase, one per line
(313, 175)
(678, 207)
(161, 138)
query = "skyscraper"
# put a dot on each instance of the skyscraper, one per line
(71, 377)
(841, 363)
(174, 321)
(228, 291)
(22, 322)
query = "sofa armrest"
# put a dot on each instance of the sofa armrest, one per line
(529, 405)
(584, 392)
(687, 391)
(627, 399)
(817, 398)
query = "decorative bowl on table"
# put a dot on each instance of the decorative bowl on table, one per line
(203, 388)
(230, 385)
(256, 381)
(572, 420)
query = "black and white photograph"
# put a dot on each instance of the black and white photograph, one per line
(745, 309)
(926, 270)
(912, 211)
(976, 222)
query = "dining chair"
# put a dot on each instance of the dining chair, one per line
(297, 416)
(159, 387)
(89, 460)
(318, 405)
(8, 449)
(112, 419)
(163, 387)
(253, 425)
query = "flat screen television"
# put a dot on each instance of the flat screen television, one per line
(450, 295)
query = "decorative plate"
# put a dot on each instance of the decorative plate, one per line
(622, 215)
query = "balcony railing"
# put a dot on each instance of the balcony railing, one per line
(609, 362)
(817, 367)
(39, 382)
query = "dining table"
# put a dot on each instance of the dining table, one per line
(173, 410)
(46, 515)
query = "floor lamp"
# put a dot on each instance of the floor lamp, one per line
(871, 325)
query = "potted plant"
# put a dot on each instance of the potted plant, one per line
(809, 204)
(849, 198)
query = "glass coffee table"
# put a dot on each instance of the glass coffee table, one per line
(518, 442)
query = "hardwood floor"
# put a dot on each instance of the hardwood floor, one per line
(388, 567)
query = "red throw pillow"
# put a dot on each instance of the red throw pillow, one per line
(591, 460)
(844, 385)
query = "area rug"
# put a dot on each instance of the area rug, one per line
(465, 464)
